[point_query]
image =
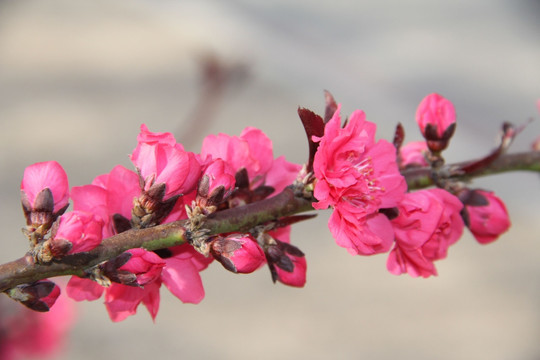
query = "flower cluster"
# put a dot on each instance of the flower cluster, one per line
(168, 184)
(360, 179)
(348, 170)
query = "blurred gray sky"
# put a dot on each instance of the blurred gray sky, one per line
(77, 78)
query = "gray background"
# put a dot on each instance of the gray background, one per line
(77, 78)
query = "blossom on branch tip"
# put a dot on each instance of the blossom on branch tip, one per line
(429, 221)
(486, 221)
(436, 118)
(357, 177)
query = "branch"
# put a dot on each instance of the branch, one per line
(25, 270)
(238, 219)
(419, 178)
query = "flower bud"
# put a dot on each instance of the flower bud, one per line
(486, 222)
(436, 118)
(44, 193)
(216, 184)
(238, 253)
(160, 160)
(81, 229)
(287, 263)
(39, 296)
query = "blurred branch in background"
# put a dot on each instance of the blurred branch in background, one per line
(217, 76)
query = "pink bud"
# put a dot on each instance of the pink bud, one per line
(487, 222)
(38, 296)
(414, 154)
(146, 265)
(160, 160)
(436, 118)
(44, 188)
(217, 174)
(297, 277)
(82, 229)
(51, 297)
(238, 253)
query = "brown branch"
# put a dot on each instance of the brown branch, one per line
(419, 178)
(243, 218)
(25, 270)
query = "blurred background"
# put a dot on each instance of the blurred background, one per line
(77, 78)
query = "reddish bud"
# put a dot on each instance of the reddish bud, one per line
(44, 193)
(82, 229)
(436, 118)
(238, 253)
(39, 296)
(287, 263)
(487, 221)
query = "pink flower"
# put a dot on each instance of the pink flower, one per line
(44, 188)
(146, 265)
(487, 222)
(436, 118)
(160, 160)
(109, 194)
(177, 268)
(238, 253)
(26, 333)
(80, 289)
(122, 301)
(217, 182)
(181, 273)
(81, 229)
(429, 222)
(219, 174)
(282, 174)
(414, 154)
(251, 150)
(357, 177)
